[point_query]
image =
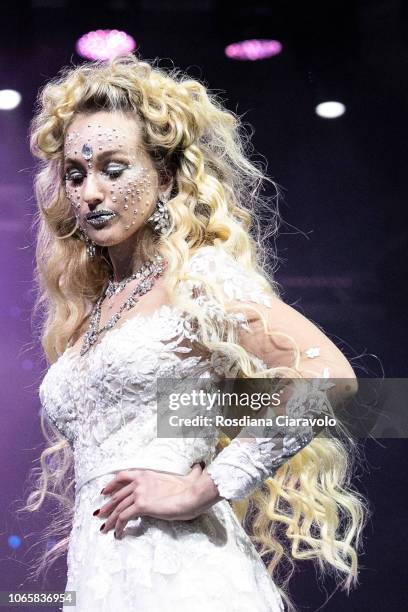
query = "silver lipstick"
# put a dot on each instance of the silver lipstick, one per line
(100, 218)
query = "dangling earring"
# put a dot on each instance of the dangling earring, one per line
(90, 248)
(90, 245)
(160, 219)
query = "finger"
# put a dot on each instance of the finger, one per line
(113, 518)
(195, 472)
(128, 513)
(117, 497)
(122, 478)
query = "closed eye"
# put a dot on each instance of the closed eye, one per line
(74, 176)
(114, 170)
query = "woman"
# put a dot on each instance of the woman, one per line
(149, 268)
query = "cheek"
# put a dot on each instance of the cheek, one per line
(73, 194)
(134, 193)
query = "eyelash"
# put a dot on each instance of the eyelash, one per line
(115, 173)
(77, 180)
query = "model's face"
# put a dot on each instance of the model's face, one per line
(107, 169)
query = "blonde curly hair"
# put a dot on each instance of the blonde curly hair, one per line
(216, 201)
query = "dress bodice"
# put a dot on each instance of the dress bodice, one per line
(104, 402)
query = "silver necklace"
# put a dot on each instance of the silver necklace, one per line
(152, 270)
(115, 287)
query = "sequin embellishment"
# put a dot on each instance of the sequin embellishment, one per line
(313, 352)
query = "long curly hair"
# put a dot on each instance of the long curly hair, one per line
(309, 508)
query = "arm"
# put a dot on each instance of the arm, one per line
(242, 466)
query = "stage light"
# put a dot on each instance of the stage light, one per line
(9, 99)
(253, 49)
(14, 541)
(105, 44)
(330, 110)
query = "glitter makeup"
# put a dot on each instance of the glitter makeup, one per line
(121, 173)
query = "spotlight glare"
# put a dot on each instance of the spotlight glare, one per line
(253, 49)
(105, 44)
(9, 99)
(14, 541)
(330, 110)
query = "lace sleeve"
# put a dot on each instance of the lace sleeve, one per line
(249, 460)
(246, 463)
(237, 288)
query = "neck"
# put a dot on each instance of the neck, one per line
(127, 257)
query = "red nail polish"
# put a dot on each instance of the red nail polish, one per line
(100, 529)
(96, 512)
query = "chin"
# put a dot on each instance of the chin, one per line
(105, 238)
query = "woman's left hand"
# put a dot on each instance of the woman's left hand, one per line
(160, 495)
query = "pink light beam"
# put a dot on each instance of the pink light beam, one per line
(253, 49)
(105, 44)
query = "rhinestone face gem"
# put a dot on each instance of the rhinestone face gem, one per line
(87, 152)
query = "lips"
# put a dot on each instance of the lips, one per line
(99, 213)
(100, 218)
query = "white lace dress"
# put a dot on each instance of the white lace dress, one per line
(104, 403)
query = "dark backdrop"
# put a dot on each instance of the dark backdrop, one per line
(342, 244)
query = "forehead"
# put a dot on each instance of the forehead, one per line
(102, 130)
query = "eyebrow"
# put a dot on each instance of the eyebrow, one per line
(99, 157)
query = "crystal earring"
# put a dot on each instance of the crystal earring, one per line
(90, 249)
(160, 219)
(90, 245)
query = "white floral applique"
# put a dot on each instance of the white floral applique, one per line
(236, 282)
(312, 352)
(224, 364)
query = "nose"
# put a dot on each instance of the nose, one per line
(92, 192)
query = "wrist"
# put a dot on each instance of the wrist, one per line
(205, 492)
